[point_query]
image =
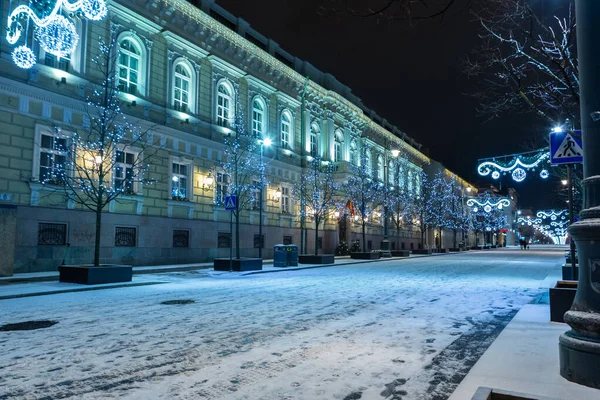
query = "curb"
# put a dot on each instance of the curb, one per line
(82, 289)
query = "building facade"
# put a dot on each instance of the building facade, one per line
(186, 72)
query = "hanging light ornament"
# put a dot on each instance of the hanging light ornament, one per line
(58, 37)
(544, 174)
(487, 205)
(55, 32)
(519, 175)
(517, 162)
(23, 57)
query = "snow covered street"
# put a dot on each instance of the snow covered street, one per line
(398, 329)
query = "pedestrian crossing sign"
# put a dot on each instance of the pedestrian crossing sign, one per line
(230, 203)
(566, 148)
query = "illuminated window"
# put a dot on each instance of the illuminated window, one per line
(286, 129)
(353, 153)
(285, 200)
(314, 139)
(224, 104)
(129, 66)
(258, 117)
(222, 188)
(181, 179)
(182, 87)
(53, 152)
(124, 172)
(337, 150)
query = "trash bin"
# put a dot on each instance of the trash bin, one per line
(292, 254)
(280, 256)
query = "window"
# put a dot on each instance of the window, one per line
(380, 169)
(52, 234)
(258, 117)
(410, 182)
(224, 240)
(124, 176)
(181, 238)
(255, 194)
(258, 243)
(417, 185)
(353, 153)
(391, 175)
(314, 139)
(181, 180)
(130, 56)
(285, 200)
(369, 163)
(125, 236)
(224, 104)
(222, 188)
(287, 239)
(401, 180)
(182, 87)
(53, 152)
(286, 129)
(337, 150)
(62, 63)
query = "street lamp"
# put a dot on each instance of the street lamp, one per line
(266, 142)
(385, 245)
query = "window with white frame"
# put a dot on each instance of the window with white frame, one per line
(222, 187)
(181, 180)
(338, 139)
(182, 87)
(258, 116)
(353, 153)
(410, 181)
(314, 139)
(124, 172)
(255, 194)
(53, 152)
(391, 173)
(369, 162)
(380, 169)
(286, 129)
(224, 104)
(130, 60)
(61, 63)
(285, 200)
(417, 184)
(401, 180)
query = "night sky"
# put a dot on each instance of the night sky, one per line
(409, 75)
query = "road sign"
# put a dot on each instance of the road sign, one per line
(230, 203)
(565, 148)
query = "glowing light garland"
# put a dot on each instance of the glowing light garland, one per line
(556, 228)
(517, 164)
(56, 33)
(488, 205)
(552, 214)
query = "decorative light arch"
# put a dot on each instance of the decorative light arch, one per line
(516, 164)
(489, 204)
(54, 31)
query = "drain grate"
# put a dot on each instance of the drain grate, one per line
(27, 326)
(184, 301)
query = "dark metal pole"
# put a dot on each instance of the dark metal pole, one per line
(571, 220)
(385, 245)
(302, 166)
(579, 348)
(231, 240)
(260, 203)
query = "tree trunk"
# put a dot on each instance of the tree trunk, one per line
(97, 239)
(454, 240)
(316, 236)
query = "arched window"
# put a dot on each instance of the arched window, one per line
(224, 104)
(410, 181)
(130, 61)
(369, 162)
(258, 116)
(391, 174)
(314, 139)
(380, 169)
(401, 180)
(353, 153)
(338, 139)
(183, 87)
(286, 129)
(417, 184)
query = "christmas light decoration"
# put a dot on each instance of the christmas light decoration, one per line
(55, 32)
(488, 205)
(552, 214)
(517, 164)
(23, 57)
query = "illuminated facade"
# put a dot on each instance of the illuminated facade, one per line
(183, 68)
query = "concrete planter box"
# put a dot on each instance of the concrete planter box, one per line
(370, 255)
(421, 251)
(90, 275)
(455, 249)
(567, 271)
(318, 259)
(561, 299)
(442, 250)
(484, 393)
(238, 264)
(400, 253)
(476, 248)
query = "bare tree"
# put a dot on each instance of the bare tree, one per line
(108, 156)
(526, 61)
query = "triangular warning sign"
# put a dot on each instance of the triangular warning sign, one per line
(568, 148)
(230, 203)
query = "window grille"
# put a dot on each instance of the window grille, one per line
(181, 238)
(52, 234)
(224, 240)
(257, 242)
(287, 240)
(125, 236)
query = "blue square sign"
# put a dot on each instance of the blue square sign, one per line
(565, 148)
(230, 203)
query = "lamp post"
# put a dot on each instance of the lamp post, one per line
(579, 348)
(266, 142)
(385, 244)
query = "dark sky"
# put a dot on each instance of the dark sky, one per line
(409, 75)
